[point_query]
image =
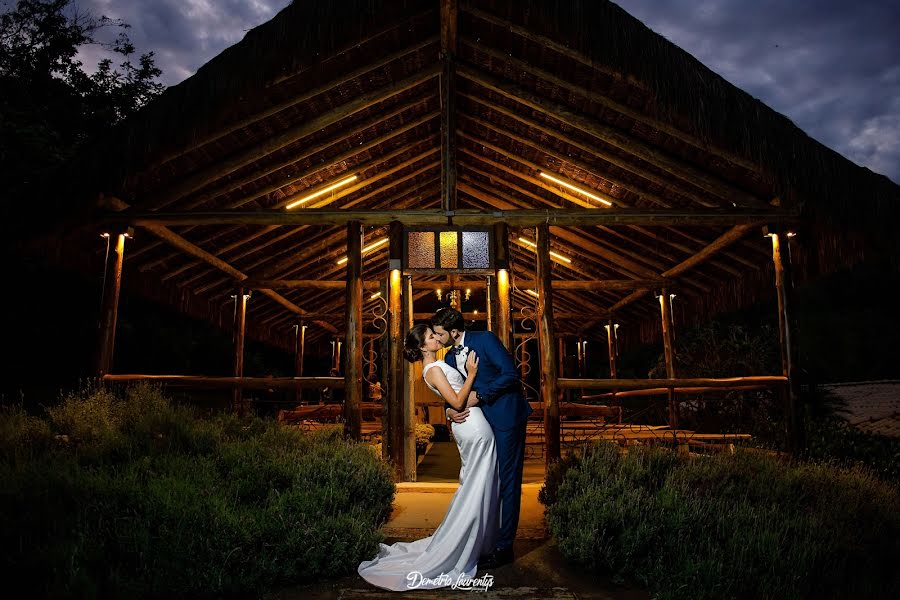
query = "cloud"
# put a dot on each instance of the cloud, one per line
(831, 66)
(184, 34)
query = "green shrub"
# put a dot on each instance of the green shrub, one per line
(741, 526)
(146, 500)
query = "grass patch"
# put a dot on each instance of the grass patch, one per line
(136, 497)
(727, 526)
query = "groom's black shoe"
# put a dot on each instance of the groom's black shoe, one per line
(497, 558)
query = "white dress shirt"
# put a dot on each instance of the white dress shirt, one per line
(462, 356)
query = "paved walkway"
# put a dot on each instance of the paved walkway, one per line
(539, 570)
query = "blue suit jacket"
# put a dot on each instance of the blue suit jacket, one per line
(498, 384)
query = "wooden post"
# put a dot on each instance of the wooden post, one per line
(781, 256)
(503, 329)
(490, 292)
(299, 355)
(109, 315)
(612, 346)
(353, 390)
(562, 364)
(669, 349)
(409, 400)
(392, 420)
(240, 321)
(549, 388)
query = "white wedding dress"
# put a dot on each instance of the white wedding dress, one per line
(470, 526)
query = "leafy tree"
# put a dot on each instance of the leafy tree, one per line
(50, 103)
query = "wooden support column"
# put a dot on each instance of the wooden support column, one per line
(781, 256)
(562, 364)
(240, 321)
(612, 347)
(490, 292)
(112, 278)
(503, 329)
(449, 14)
(409, 400)
(392, 421)
(665, 305)
(353, 376)
(299, 355)
(549, 387)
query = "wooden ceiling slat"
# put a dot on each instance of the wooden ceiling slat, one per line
(607, 103)
(332, 161)
(301, 98)
(242, 158)
(631, 167)
(724, 240)
(612, 136)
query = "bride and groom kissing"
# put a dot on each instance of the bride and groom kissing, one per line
(482, 392)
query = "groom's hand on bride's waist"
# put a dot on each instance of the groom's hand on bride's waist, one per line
(457, 416)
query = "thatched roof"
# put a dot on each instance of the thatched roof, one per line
(576, 88)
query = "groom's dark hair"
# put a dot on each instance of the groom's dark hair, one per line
(449, 318)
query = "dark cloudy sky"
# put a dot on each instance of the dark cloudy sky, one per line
(831, 66)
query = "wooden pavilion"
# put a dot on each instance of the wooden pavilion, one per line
(558, 161)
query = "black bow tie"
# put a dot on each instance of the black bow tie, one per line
(456, 350)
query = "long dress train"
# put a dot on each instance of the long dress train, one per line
(471, 523)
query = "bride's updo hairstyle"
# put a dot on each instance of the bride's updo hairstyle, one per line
(415, 339)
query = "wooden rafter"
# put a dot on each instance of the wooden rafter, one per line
(611, 136)
(271, 144)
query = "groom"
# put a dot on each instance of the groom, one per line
(499, 392)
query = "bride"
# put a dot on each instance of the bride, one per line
(469, 528)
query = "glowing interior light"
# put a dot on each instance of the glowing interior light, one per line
(369, 248)
(322, 192)
(555, 255)
(533, 293)
(375, 295)
(575, 189)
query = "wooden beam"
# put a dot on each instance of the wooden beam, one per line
(613, 137)
(544, 317)
(278, 141)
(336, 168)
(718, 244)
(247, 383)
(448, 103)
(353, 375)
(641, 384)
(295, 100)
(589, 168)
(515, 218)
(182, 244)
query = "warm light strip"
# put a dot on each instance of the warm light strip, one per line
(576, 189)
(533, 293)
(375, 295)
(565, 259)
(368, 248)
(340, 183)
